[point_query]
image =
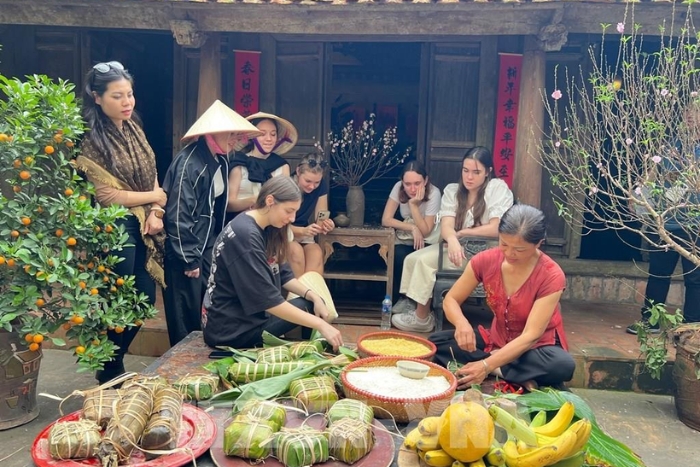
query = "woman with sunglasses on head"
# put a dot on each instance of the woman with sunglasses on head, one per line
(526, 343)
(471, 207)
(196, 184)
(304, 254)
(249, 271)
(258, 161)
(117, 159)
(418, 203)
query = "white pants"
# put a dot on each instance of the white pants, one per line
(419, 270)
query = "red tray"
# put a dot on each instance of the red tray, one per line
(381, 455)
(197, 433)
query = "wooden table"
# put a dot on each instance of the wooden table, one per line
(361, 237)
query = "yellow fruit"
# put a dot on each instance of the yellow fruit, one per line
(495, 456)
(438, 458)
(80, 350)
(559, 423)
(429, 426)
(515, 427)
(428, 443)
(466, 431)
(477, 463)
(411, 439)
(583, 434)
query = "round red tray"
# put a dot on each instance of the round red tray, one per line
(197, 433)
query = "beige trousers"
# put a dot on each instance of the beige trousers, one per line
(419, 270)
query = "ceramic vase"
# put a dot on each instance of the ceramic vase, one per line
(355, 204)
(341, 220)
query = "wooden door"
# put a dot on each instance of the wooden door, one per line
(451, 102)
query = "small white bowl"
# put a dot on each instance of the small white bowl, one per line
(413, 370)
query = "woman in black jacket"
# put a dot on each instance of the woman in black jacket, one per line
(196, 184)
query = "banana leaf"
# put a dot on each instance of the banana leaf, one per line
(602, 450)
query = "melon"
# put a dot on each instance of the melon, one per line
(466, 431)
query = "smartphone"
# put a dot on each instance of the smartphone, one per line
(219, 354)
(322, 216)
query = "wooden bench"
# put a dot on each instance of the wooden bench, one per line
(447, 274)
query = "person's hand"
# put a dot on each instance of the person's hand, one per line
(418, 199)
(160, 197)
(471, 373)
(312, 230)
(464, 335)
(153, 224)
(332, 335)
(327, 225)
(193, 274)
(455, 253)
(418, 239)
(320, 308)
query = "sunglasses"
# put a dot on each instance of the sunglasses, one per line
(312, 163)
(106, 66)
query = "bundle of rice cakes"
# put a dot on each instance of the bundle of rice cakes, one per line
(349, 439)
(98, 406)
(197, 387)
(78, 439)
(316, 394)
(301, 447)
(163, 428)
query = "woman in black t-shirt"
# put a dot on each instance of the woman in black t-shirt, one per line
(248, 271)
(304, 253)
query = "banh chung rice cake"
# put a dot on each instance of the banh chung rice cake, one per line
(395, 346)
(386, 381)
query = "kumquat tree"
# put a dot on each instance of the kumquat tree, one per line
(55, 267)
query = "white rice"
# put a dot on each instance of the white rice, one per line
(386, 381)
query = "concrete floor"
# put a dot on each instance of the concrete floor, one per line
(646, 423)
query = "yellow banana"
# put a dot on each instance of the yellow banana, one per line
(539, 419)
(565, 444)
(495, 456)
(559, 423)
(477, 463)
(538, 457)
(428, 443)
(583, 434)
(429, 426)
(438, 458)
(458, 464)
(411, 439)
(576, 460)
(523, 446)
(515, 427)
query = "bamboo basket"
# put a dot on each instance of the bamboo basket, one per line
(362, 350)
(403, 410)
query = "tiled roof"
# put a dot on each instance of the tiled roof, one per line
(347, 2)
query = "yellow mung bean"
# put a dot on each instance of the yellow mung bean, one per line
(395, 346)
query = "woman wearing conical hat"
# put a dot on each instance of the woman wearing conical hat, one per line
(196, 184)
(259, 160)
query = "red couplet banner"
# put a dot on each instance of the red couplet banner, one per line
(246, 94)
(507, 116)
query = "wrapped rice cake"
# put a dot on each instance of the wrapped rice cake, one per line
(315, 394)
(151, 382)
(74, 440)
(300, 349)
(248, 438)
(278, 354)
(99, 405)
(349, 440)
(197, 387)
(301, 447)
(270, 412)
(163, 428)
(350, 408)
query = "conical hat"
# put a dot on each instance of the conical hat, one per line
(290, 133)
(315, 282)
(219, 118)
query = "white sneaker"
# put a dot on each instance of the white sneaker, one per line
(404, 305)
(409, 322)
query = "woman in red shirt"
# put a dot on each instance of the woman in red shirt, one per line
(526, 343)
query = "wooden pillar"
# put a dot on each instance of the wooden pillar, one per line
(527, 185)
(209, 73)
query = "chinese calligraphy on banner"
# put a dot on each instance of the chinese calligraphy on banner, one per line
(507, 116)
(246, 94)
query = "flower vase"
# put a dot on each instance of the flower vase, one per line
(355, 204)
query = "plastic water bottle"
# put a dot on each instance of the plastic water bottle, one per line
(386, 313)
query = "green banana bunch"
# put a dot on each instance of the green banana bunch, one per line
(515, 427)
(539, 419)
(559, 423)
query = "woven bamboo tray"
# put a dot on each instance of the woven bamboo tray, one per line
(403, 410)
(362, 350)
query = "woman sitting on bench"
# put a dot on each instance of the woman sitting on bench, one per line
(472, 207)
(526, 343)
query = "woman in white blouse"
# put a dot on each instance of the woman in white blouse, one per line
(418, 203)
(470, 208)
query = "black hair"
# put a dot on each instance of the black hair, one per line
(525, 221)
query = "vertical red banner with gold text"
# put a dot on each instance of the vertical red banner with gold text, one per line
(246, 94)
(507, 116)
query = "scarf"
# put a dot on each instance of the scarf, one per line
(259, 170)
(131, 165)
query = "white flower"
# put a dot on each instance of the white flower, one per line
(593, 190)
(664, 92)
(557, 144)
(620, 28)
(628, 141)
(656, 159)
(638, 191)
(694, 94)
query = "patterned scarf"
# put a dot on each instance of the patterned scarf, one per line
(131, 165)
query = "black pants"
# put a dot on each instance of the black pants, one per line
(400, 253)
(183, 297)
(549, 365)
(133, 264)
(661, 267)
(277, 326)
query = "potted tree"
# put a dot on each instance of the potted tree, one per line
(56, 274)
(623, 152)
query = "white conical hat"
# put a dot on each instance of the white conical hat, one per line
(219, 118)
(290, 135)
